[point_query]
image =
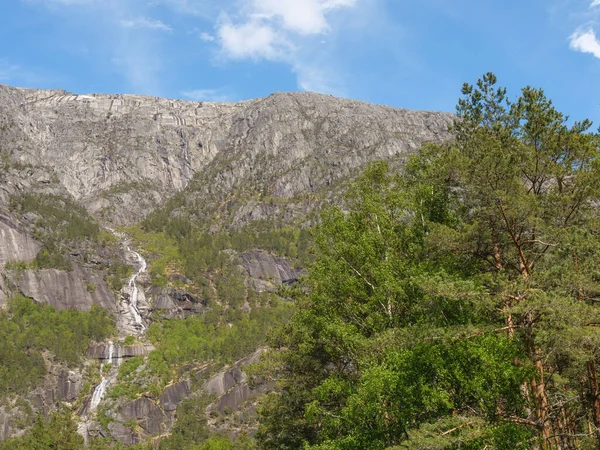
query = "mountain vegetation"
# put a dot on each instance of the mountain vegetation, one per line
(453, 306)
(450, 300)
(29, 331)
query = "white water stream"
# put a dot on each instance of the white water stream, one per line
(133, 296)
(137, 327)
(101, 388)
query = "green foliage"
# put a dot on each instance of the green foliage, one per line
(190, 431)
(163, 252)
(440, 300)
(207, 338)
(379, 344)
(128, 386)
(523, 186)
(61, 222)
(106, 444)
(191, 428)
(117, 273)
(174, 246)
(27, 329)
(60, 217)
(51, 257)
(59, 432)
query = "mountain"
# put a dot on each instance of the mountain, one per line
(73, 167)
(121, 155)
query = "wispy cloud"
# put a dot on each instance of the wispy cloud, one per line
(136, 56)
(207, 37)
(291, 32)
(207, 9)
(26, 76)
(208, 95)
(281, 30)
(586, 42)
(144, 22)
(584, 39)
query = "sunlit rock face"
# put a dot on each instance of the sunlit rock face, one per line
(65, 290)
(16, 244)
(121, 155)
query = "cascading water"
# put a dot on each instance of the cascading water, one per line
(101, 388)
(133, 299)
(111, 351)
(98, 394)
(129, 321)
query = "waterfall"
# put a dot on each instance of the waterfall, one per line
(101, 388)
(129, 320)
(98, 394)
(133, 299)
(111, 349)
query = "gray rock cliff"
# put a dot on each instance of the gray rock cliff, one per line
(65, 290)
(121, 155)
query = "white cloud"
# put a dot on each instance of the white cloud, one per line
(208, 95)
(301, 16)
(586, 42)
(200, 8)
(282, 30)
(595, 3)
(287, 31)
(304, 16)
(144, 22)
(252, 40)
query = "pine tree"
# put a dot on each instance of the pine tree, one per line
(455, 305)
(524, 186)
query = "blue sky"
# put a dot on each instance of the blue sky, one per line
(406, 53)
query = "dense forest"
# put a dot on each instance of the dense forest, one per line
(450, 305)
(454, 305)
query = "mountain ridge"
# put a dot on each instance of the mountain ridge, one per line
(121, 155)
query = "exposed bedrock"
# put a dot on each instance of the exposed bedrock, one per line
(79, 289)
(121, 155)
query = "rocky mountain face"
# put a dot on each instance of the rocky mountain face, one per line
(120, 157)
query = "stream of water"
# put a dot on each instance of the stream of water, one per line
(101, 388)
(133, 296)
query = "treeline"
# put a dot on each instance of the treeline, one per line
(455, 305)
(59, 217)
(218, 337)
(28, 329)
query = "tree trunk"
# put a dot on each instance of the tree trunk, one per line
(595, 393)
(538, 388)
(510, 326)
